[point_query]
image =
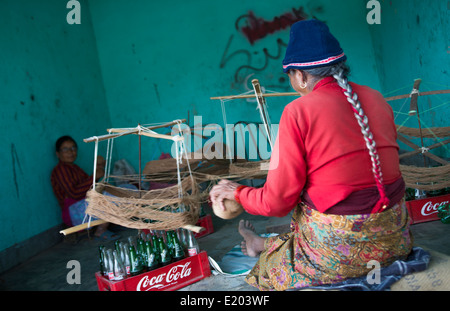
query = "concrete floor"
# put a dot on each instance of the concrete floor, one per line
(48, 270)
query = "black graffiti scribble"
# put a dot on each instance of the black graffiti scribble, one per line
(15, 158)
(267, 56)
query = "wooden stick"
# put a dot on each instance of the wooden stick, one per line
(94, 223)
(418, 150)
(156, 135)
(82, 227)
(123, 132)
(296, 94)
(420, 94)
(156, 126)
(413, 108)
(261, 102)
(257, 90)
(140, 166)
(253, 95)
(109, 136)
(195, 229)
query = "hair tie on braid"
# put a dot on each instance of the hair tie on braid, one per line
(360, 116)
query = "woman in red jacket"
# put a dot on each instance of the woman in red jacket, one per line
(336, 166)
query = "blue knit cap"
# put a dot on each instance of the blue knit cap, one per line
(311, 45)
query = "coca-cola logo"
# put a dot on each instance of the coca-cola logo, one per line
(163, 279)
(429, 208)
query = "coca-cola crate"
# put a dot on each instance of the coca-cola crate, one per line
(168, 278)
(205, 222)
(424, 210)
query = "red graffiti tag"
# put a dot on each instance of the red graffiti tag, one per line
(257, 28)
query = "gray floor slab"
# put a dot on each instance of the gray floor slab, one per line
(48, 270)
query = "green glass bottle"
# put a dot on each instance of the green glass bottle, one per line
(156, 247)
(169, 239)
(178, 251)
(142, 253)
(117, 246)
(409, 194)
(444, 213)
(151, 258)
(164, 252)
(135, 262)
(102, 259)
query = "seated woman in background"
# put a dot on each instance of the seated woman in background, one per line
(70, 185)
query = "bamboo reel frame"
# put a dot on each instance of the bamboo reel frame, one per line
(94, 193)
(410, 173)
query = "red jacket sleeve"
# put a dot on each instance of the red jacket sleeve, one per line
(74, 182)
(286, 177)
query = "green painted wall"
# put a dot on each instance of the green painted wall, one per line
(413, 41)
(50, 85)
(144, 62)
(163, 61)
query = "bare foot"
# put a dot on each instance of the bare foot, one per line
(253, 244)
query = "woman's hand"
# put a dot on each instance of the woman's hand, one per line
(223, 190)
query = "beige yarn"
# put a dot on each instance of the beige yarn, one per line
(154, 209)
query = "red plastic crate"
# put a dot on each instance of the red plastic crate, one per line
(205, 222)
(168, 278)
(424, 210)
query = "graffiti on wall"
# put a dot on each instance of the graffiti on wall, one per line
(15, 165)
(256, 28)
(263, 49)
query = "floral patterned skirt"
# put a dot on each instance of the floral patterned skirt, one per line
(326, 249)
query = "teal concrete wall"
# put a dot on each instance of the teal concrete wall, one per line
(50, 85)
(131, 62)
(163, 61)
(413, 41)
